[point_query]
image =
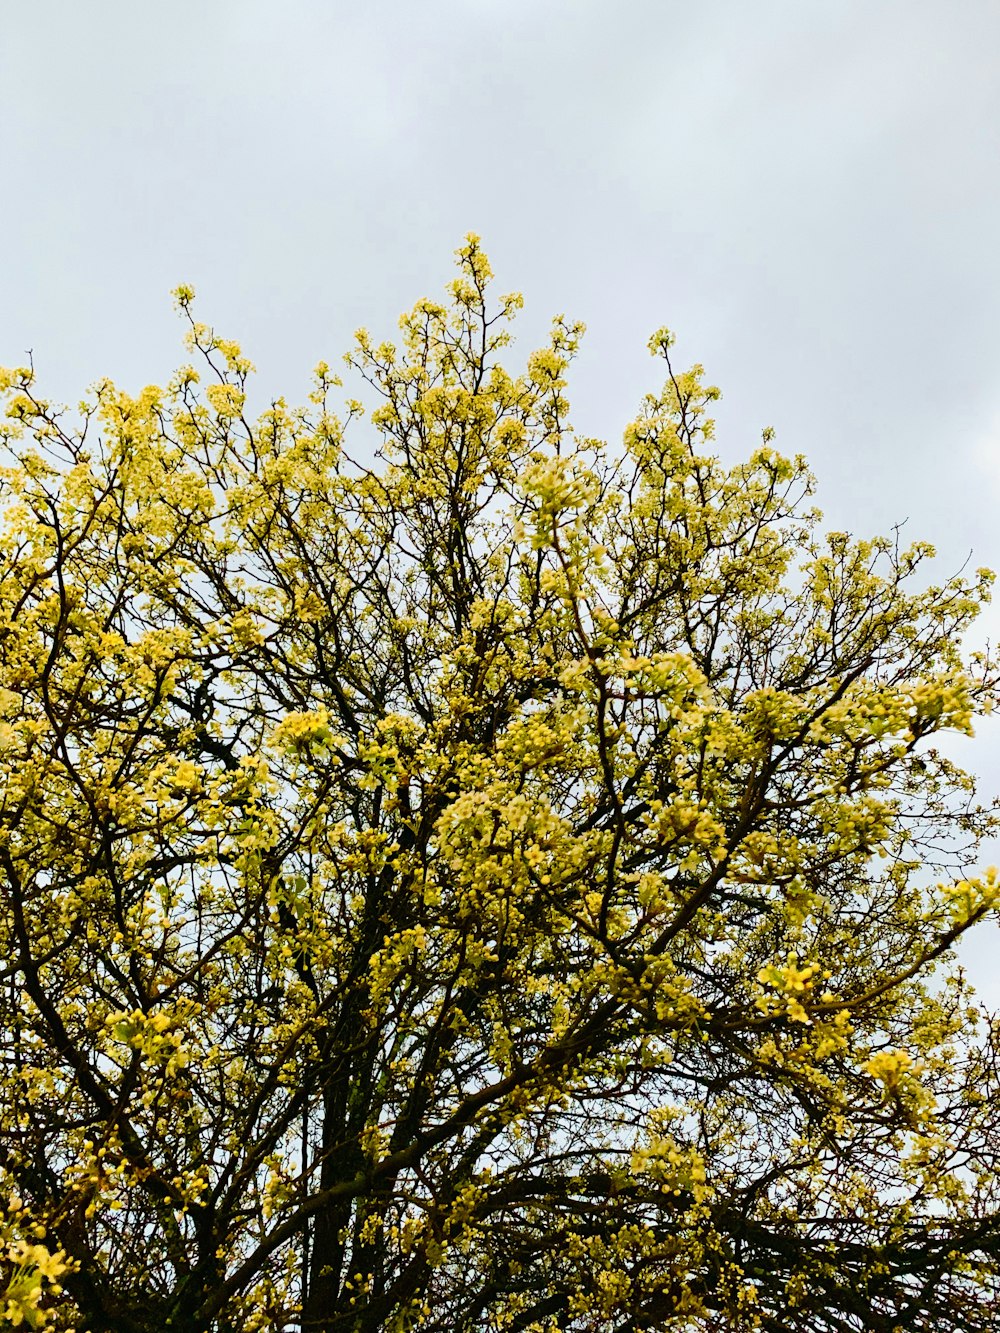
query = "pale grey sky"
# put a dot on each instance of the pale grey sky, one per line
(808, 191)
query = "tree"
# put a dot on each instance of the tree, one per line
(508, 887)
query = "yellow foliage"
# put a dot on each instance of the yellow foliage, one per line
(507, 883)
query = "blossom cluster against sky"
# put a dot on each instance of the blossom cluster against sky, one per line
(809, 194)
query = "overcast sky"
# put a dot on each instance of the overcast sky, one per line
(807, 191)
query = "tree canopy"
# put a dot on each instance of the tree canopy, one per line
(497, 882)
